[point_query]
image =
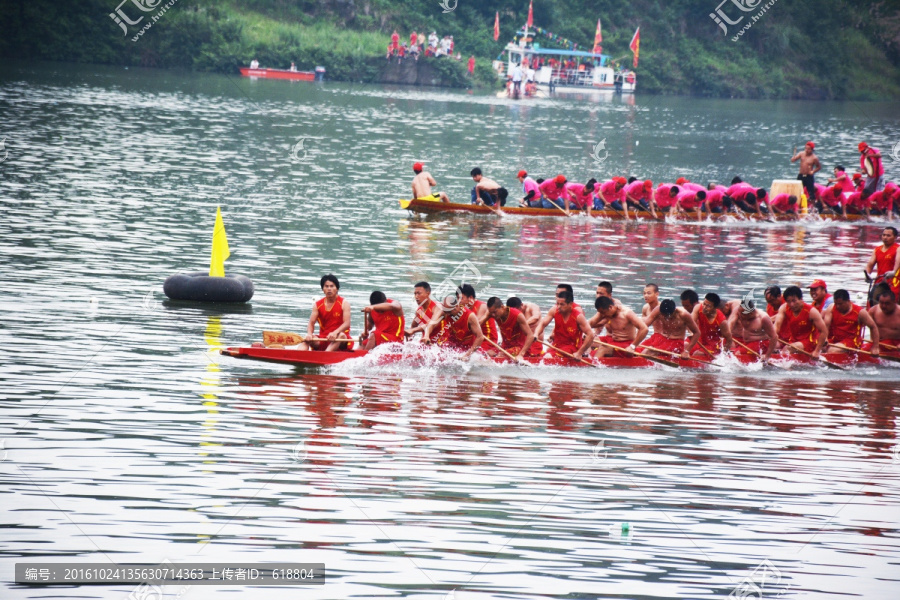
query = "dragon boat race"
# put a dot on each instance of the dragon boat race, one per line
(550, 300)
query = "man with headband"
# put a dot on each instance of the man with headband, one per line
(753, 328)
(670, 324)
(461, 329)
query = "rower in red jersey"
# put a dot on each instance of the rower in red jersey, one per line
(479, 307)
(690, 200)
(639, 194)
(715, 198)
(670, 324)
(612, 193)
(425, 311)
(845, 321)
(753, 328)
(386, 318)
(882, 201)
(775, 301)
(571, 332)
(821, 299)
(803, 322)
(626, 329)
(713, 327)
(887, 319)
(665, 195)
(332, 313)
(461, 331)
(518, 338)
(783, 204)
(885, 260)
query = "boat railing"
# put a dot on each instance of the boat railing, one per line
(572, 77)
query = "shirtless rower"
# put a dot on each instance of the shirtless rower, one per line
(386, 318)
(604, 288)
(518, 337)
(805, 325)
(845, 321)
(571, 332)
(626, 329)
(421, 186)
(531, 310)
(332, 313)
(670, 325)
(651, 299)
(887, 319)
(487, 191)
(753, 328)
(885, 259)
(461, 329)
(466, 294)
(425, 309)
(689, 299)
(712, 325)
(809, 166)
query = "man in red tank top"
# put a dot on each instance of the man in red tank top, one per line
(885, 260)
(845, 321)
(806, 328)
(571, 332)
(385, 316)
(518, 338)
(425, 311)
(479, 307)
(332, 313)
(713, 327)
(461, 329)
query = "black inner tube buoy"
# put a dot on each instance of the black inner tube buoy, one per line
(200, 287)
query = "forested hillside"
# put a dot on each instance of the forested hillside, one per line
(796, 49)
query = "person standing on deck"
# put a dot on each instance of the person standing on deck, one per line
(421, 185)
(871, 164)
(809, 166)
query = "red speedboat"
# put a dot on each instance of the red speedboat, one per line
(279, 74)
(306, 358)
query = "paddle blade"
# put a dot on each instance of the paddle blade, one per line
(404, 204)
(283, 338)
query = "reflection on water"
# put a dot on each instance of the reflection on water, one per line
(125, 436)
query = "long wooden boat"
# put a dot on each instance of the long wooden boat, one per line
(436, 207)
(279, 74)
(306, 358)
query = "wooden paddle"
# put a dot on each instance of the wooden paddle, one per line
(843, 347)
(286, 338)
(655, 359)
(676, 355)
(755, 353)
(566, 354)
(809, 354)
(497, 346)
(888, 346)
(561, 209)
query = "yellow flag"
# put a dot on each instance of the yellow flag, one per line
(220, 252)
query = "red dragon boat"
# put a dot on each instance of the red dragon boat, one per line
(306, 358)
(435, 207)
(279, 74)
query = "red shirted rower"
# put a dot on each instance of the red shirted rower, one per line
(461, 331)
(386, 317)
(513, 326)
(425, 311)
(803, 321)
(886, 260)
(571, 332)
(845, 321)
(774, 301)
(479, 307)
(713, 326)
(332, 313)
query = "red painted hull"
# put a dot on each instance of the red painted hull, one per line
(318, 359)
(279, 74)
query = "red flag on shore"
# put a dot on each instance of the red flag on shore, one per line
(530, 20)
(598, 40)
(635, 45)
(497, 27)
